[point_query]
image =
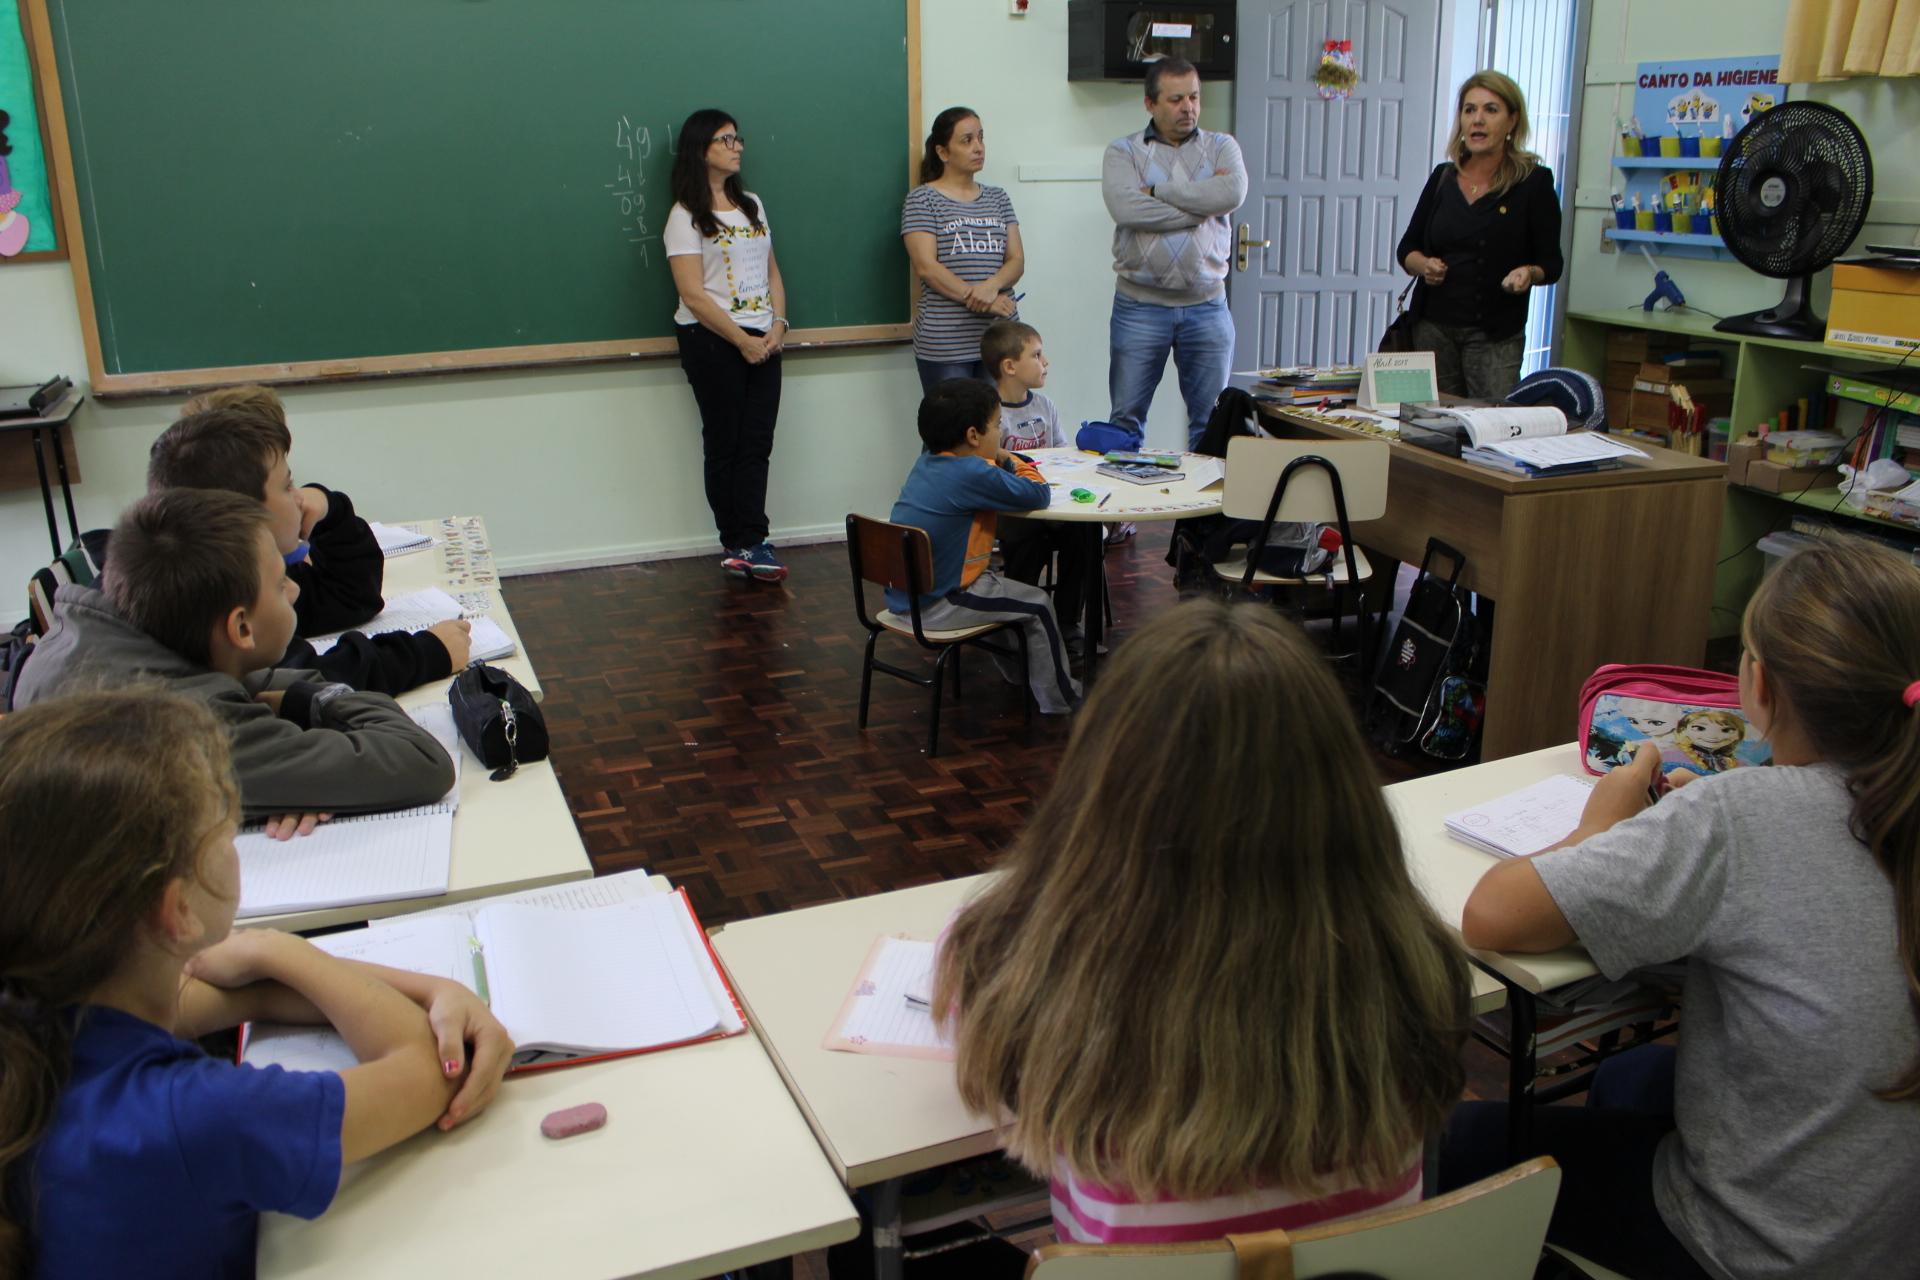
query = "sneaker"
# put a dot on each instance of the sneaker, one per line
(1119, 533)
(762, 564)
(735, 562)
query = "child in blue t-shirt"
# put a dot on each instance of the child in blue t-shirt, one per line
(124, 1149)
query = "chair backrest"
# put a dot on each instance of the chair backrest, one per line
(1491, 1230)
(890, 555)
(79, 564)
(1254, 466)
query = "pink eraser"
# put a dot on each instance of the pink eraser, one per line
(568, 1121)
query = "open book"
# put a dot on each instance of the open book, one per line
(1530, 439)
(1525, 822)
(573, 973)
(371, 857)
(418, 610)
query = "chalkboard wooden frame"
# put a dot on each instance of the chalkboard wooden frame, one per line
(107, 385)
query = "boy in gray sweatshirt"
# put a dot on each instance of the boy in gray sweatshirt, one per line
(1171, 189)
(195, 596)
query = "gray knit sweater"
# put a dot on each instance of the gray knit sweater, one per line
(1172, 247)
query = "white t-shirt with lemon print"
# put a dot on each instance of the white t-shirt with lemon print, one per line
(733, 264)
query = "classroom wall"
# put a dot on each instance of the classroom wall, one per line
(602, 464)
(1627, 32)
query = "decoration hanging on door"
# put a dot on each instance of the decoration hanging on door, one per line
(1336, 75)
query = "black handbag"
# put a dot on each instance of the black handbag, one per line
(1398, 337)
(498, 719)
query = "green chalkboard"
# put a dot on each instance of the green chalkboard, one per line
(305, 188)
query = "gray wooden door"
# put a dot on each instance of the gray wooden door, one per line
(1331, 184)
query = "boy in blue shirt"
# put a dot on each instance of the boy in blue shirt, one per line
(953, 492)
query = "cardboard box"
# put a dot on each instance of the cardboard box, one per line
(1771, 477)
(1874, 309)
(1620, 375)
(1740, 455)
(1619, 406)
(1639, 345)
(1652, 371)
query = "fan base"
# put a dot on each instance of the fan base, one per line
(1793, 317)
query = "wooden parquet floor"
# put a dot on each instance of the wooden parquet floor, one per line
(706, 729)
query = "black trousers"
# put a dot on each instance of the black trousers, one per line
(739, 403)
(1606, 1211)
(1025, 548)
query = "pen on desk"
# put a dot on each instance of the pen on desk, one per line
(479, 954)
(1104, 497)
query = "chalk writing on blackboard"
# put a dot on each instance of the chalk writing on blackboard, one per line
(635, 144)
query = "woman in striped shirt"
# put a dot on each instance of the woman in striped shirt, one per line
(964, 241)
(1205, 990)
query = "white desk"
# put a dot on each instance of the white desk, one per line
(878, 1118)
(418, 570)
(703, 1166)
(1447, 869)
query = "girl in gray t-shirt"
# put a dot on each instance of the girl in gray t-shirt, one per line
(1790, 1144)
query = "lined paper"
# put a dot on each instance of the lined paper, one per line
(375, 857)
(415, 611)
(877, 1017)
(1527, 821)
(397, 540)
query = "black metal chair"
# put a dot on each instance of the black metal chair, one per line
(901, 557)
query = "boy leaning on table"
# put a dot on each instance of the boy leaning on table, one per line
(237, 439)
(195, 597)
(1012, 353)
(954, 492)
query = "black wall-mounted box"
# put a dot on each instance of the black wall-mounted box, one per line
(1119, 39)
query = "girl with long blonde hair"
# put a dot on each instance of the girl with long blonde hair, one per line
(1783, 1138)
(1205, 994)
(1484, 234)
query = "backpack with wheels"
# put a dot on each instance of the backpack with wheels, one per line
(1423, 692)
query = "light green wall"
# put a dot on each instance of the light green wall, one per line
(1627, 32)
(602, 465)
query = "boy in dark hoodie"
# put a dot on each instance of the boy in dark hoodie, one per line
(195, 596)
(237, 439)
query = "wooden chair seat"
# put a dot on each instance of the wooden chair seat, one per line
(903, 624)
(1235, 570)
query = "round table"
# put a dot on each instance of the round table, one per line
(1124, 503)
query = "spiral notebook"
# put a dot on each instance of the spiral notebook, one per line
(372, 857)
(1525, 822)
(418, 610)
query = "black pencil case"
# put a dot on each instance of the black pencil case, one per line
(498, 719)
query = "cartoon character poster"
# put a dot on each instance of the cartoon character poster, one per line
(26, 209)
(1699, 739)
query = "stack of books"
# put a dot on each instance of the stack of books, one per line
(1309, 385)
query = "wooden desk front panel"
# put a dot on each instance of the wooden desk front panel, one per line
(1423, 502)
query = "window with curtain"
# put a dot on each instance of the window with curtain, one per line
(1834, 39)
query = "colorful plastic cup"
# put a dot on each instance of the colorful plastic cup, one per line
(1683, 224)
(1643, 220)
(1690, 146)
(1670, 146)
(1623, 219)
(1710, 146)
(1630, 144)
(1662, 221)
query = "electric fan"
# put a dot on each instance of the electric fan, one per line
(1791, 194)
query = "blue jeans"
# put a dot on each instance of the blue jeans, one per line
(1201, 339)
(934, 372)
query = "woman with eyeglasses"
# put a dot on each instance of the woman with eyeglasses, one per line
(731, 325)
(964, 241)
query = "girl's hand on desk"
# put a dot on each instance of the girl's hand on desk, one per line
(459, 1018)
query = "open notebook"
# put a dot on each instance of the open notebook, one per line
(372, 857)
(1525, 822)
(888, 1011)
(418, 610)
(575, 973)
(1531, 439)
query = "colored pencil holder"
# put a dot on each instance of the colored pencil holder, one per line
(1623, 219)
(1630, 144)
(1662, 221)
(1710, 146)
(1690, 146)
(1643, 220)
(1682, 224)
(1670, 146)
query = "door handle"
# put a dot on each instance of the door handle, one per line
(1244, 242)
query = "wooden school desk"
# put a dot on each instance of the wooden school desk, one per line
(1447, 870)
(1128, 504)
(1607, 566)
(879, 1119)
(703, 1166)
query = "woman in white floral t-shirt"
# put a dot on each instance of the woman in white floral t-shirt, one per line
(731, 324)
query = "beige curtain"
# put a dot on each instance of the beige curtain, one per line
(1834, 39)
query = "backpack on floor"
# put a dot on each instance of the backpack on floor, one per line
(1423, 691)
